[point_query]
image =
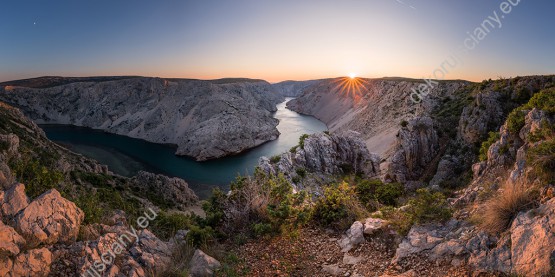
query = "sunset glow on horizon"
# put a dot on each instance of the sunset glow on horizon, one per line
(270, 40)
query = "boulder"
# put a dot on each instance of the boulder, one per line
(151, 252)
(202, 265)
(13, 200)
(533, 241)
(49, 219)
(10, 241)
(373, 226)
(352, 238)
(35, 262)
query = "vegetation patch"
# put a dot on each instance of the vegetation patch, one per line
(275, 159)
(542, 159)
(502, 209)
(301, 140)
(338, 207)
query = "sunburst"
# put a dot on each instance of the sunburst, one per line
(352, 87)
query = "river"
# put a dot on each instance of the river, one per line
(126, 156)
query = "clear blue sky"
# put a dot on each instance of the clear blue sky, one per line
(272, 40)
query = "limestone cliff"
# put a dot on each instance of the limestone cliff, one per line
(205, 119)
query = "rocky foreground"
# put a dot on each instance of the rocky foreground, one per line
(205, 119)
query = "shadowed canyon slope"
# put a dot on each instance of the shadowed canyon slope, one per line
(205, 119)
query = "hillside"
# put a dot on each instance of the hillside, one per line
(204, 119)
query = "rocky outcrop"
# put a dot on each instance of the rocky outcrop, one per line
(203, 265)
(205, 119)
(417, 145)
(325, 155)
(373, 107)
(13, 200)
(49, 219)
(532, 241)
(174, 191)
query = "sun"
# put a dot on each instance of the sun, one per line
(352, 75)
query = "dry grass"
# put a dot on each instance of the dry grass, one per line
(501, 210)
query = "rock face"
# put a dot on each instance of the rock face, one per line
(203, 265)
(532, 241)
(417, 145)
(205, 119)
(324, 154)
(172, 190)
(373, 107)
(49, 219)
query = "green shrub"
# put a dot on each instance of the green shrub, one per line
(404, 123)
(214, 208)
(327, 132)
(388, 193)
(371, 191)
(366, 192)
(543, 100)
(200, 236)
(516, 120)
(302, 139)
(542, 160)
(428, 207)
(166, 224)
(301, 172)
(338, 207)
(36, 177)
(493, 137)
(262, 229)
(275, 159)
(293, 149)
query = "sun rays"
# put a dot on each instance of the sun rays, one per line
(352, 87)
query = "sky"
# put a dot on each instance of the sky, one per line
(273, 40)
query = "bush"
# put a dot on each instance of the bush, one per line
(166, 225)
(388, 193)
(429, 207)
(543, 100)
(338, 207)
(398, 219)
(301, 172)
(493, 137)
(542, 159)
(371, 191)
(275, 159)
(258, 202)
(516, 120)
(200, 236)
(36, 177)
(366, 190)
(302, 139)
(502, 209)
(404, 123)
(293, 149)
